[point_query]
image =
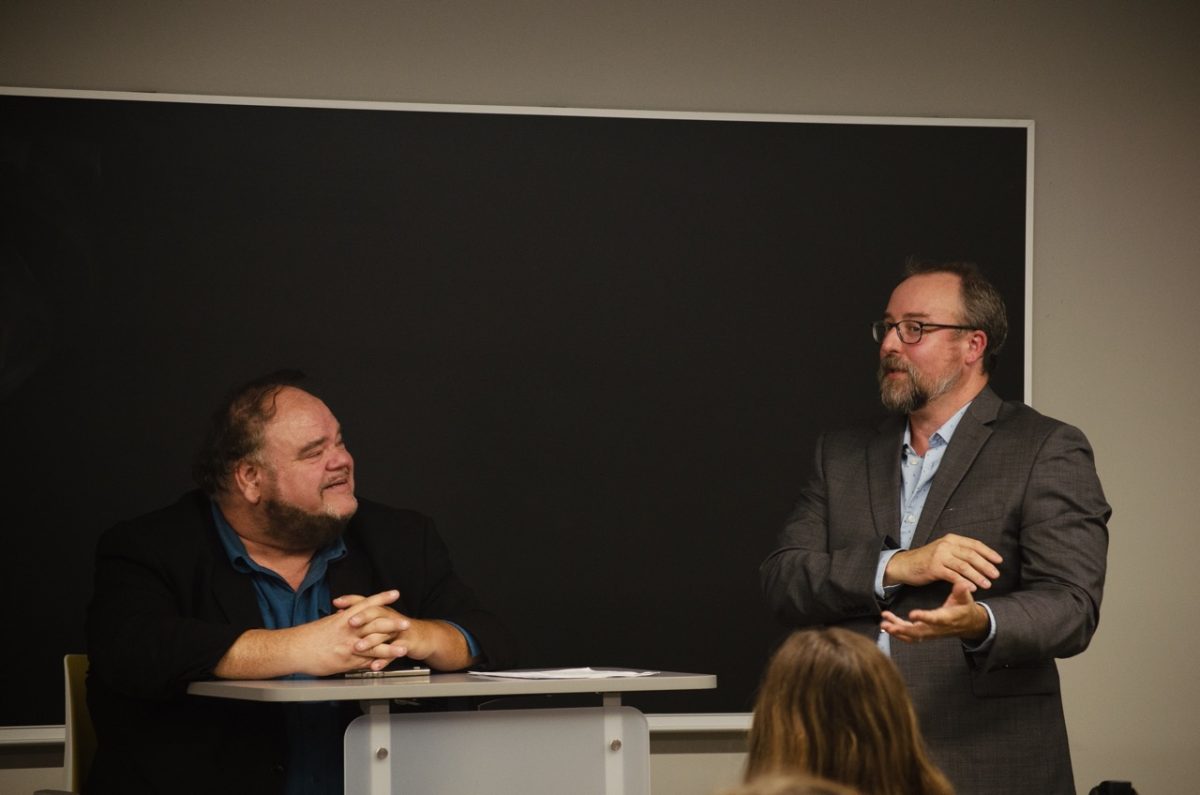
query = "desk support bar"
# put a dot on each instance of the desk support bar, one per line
(379, 748)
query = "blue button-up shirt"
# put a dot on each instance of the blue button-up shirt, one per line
(314, 730)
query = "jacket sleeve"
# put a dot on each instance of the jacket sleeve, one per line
(449, 598)
(144, 638)
(815, 575)
(407, 552)
(1063, 550)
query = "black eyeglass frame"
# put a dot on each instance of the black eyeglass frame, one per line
(880, 329)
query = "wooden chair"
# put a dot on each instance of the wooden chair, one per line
(80, 746)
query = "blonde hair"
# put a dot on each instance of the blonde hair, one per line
(831, 704)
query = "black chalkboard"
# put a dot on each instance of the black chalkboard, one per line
(596, 348)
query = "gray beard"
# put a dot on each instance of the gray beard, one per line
(911, 395)
(296, 530)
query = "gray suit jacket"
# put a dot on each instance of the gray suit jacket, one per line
(1026, 486)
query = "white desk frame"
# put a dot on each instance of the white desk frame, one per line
(377, 694)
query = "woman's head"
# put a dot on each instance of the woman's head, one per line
(833, 705)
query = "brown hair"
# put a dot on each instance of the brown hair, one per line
(983, 306)
(790, 784)
(832, 704)
(235, 430)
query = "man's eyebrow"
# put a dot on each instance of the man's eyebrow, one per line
(313, 445)
(906, 315)
(317, 443)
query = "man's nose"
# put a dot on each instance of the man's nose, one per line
(891, 341)
(340, 459)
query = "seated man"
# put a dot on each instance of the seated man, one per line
(274, 569)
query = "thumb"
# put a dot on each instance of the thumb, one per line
(961, 593)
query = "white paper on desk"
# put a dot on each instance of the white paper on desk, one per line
(565, 673)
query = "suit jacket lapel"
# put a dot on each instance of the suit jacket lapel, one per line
(233, 592)
(972, 432)
(883, 477)
(350, 574)
(235, 595)
(353, 573)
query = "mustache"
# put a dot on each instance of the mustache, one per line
(342, 477)
(894, 364)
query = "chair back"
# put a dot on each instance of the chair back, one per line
(80, 745)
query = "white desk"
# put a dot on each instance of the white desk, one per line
(526, 751)
(443, 686)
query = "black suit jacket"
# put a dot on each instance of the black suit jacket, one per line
(167, 605)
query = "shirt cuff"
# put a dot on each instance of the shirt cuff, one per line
(472, 644)
(986, 643)
(884, 593)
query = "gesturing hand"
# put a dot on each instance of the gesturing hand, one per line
(959, 616)
(953, 558)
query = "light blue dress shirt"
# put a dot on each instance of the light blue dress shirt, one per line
(916, 476)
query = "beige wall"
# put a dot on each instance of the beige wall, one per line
(1114, 88)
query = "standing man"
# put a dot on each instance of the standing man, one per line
(966, 534)
(275, 568)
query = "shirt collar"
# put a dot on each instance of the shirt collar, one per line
(941, 436)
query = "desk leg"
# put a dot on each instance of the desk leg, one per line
(592, 751)
(379, 745)
(614, 741)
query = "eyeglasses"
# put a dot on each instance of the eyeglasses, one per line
(909, 331)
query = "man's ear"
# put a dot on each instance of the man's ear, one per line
(247, 479)
(977, 342)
